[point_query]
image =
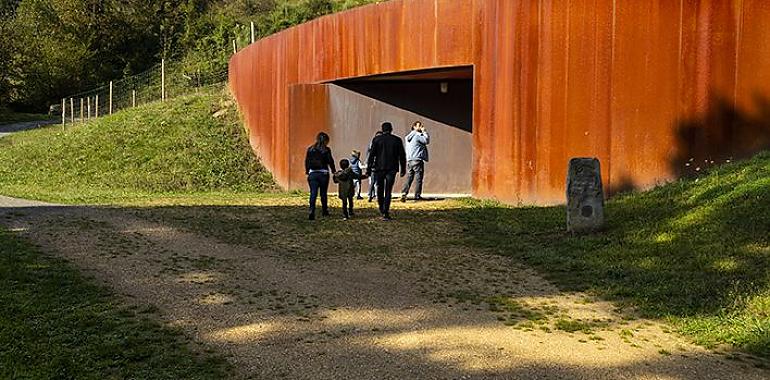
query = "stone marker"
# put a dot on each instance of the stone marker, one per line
(585, 197)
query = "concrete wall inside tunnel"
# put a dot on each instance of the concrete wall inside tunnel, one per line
(351, 119)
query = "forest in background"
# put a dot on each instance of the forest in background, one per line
(53, 48)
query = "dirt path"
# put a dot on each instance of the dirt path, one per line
(369, 313)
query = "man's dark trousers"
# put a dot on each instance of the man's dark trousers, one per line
(385, 182)
(416, 172)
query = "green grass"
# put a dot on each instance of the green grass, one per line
(54, 323)
(160, 148)
(695, 252)
(8, 117)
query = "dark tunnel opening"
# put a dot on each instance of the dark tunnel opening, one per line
(443, 95)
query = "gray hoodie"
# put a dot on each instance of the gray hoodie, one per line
(417, 146)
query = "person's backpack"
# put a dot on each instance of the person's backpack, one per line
(315, 158)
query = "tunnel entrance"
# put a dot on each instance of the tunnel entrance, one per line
(442, 99)
(444, 95)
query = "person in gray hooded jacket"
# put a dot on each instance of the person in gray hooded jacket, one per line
(416, 155)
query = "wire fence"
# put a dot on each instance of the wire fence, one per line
(165, 80)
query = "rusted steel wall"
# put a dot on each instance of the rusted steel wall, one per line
(308, 115)
(645, 86)
(388, 37)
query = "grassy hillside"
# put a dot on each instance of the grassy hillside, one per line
(172, 147)
(695, 252)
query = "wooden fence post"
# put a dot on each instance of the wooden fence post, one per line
(63, 112)
(81, 110)
(72, 110)
(133, 98)
(96, 107)
(252, 32)
(235, 47)
(88, 100)
(110, 97)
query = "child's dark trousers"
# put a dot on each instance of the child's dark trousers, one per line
(347, 206)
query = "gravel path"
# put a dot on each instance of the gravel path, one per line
(7, 129)
(356, 316)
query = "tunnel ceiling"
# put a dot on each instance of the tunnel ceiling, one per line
(449, 73)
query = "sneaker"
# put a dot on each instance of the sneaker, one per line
(360, 198)
(403, 198)
(419, 198)
(386, 217)
(370, 199)
(345, 218)
(311, 217)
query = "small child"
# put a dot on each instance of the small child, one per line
(355, 164)
(344, 177)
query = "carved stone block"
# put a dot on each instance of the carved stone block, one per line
(585, 196)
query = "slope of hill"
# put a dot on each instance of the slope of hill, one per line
(173, 147)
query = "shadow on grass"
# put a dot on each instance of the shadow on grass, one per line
(696, 251)
(55, 323)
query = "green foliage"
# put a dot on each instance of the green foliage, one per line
(171, 147)
(56, 324)
(695, 252)
(90, 42)
(7, 52)
(206, 45)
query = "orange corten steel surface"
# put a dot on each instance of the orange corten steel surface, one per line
(637, 83)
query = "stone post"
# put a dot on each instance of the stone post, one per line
(585, 196)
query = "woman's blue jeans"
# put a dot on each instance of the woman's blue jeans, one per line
(319, 183)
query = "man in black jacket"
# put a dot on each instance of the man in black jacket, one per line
(387, 158)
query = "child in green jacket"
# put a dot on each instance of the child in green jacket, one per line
(346, 191)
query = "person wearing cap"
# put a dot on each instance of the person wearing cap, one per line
(372, 178)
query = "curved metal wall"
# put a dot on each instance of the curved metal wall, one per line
(644, 85)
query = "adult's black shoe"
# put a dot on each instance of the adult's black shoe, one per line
(386, 217)
(311, 217)
(325, 213)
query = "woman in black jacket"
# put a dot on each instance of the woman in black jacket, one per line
(318, 164)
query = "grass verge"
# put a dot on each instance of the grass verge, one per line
(54, 323)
